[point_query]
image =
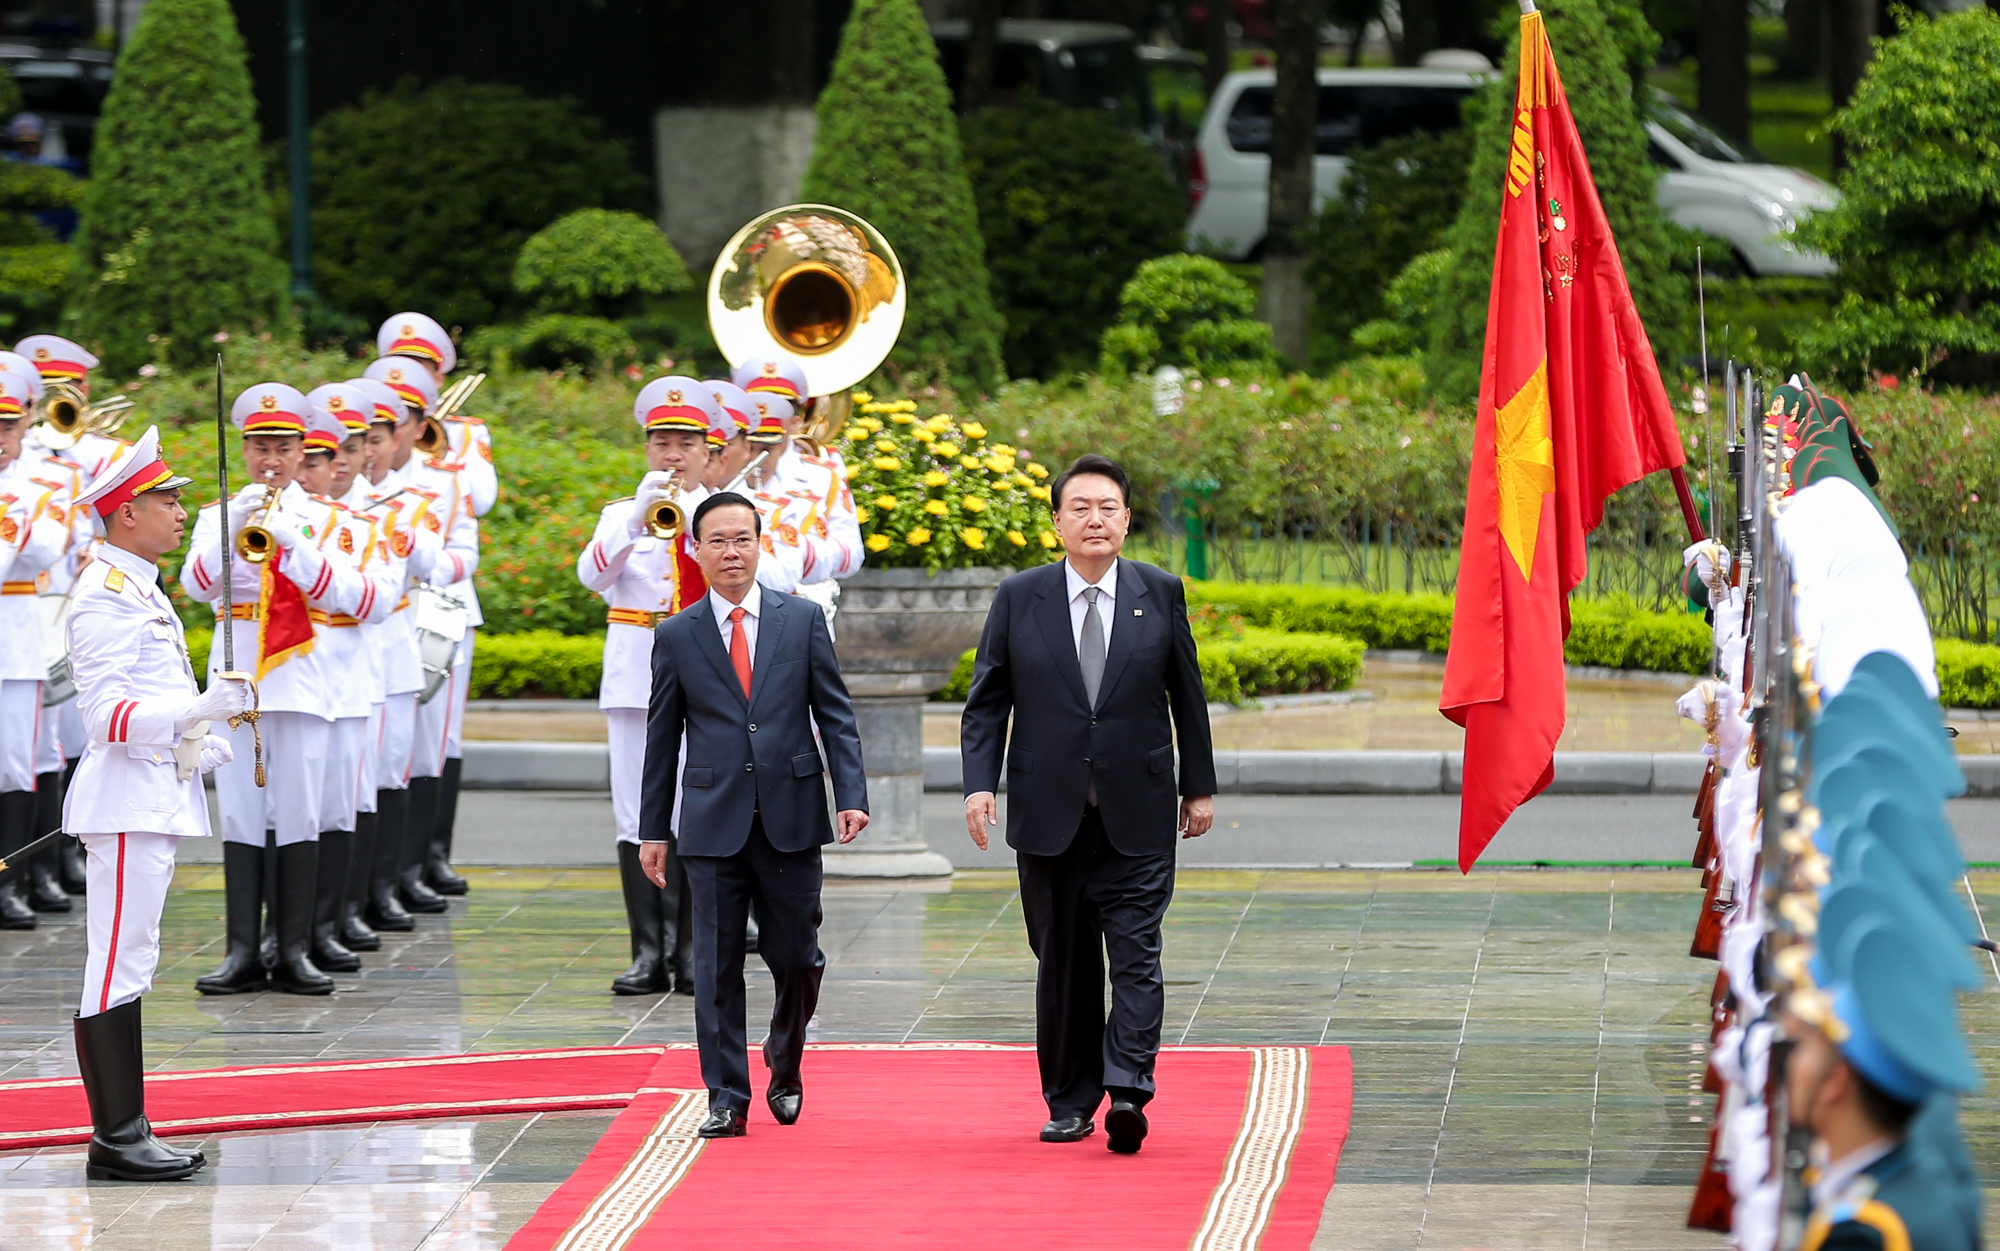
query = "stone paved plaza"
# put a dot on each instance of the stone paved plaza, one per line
(1526, 1048)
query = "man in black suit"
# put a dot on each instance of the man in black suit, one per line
(745, 673)
(1094, 659)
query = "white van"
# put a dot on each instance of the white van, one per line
(1705, 182)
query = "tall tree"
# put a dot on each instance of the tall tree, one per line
(1723, 91)
(888, 149)
(1287, 298)
(1850, 45)
(177, 240)
(1215, 44)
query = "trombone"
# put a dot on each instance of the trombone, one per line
(68, 415)
(432, 440)
(254, 542)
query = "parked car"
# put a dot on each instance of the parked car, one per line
(1084, 65)
(1731, 190)
(1180, 97)
(1706, 183)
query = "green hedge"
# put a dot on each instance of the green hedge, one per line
(1260, 662)
(1968, 674)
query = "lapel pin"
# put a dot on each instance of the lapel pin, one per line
(1138, 612)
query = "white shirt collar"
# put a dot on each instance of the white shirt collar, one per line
(131, 563)
(751, 605)
(1074, 580)
(1835, 1176)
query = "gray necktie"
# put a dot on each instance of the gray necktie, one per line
(1090, 649)
(1090, 656)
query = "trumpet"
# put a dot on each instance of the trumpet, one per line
(432, 440)
(667, 519)
(67, 415)
(254, 542)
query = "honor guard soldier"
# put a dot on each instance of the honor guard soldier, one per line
(467, 453)
(641, 560)
(335, 429)
(34, 534)
(815, 476)
(407, 554)
(138, 791)
(427, 873)
(62, 363)
(278, 576)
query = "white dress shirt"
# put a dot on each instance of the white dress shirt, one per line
(722, 608)
(1078, 605)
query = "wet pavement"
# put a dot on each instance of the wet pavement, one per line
(1527, 1047)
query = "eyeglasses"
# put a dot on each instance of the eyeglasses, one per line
(729, 545)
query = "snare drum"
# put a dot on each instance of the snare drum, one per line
(60, 686)
(441, 622)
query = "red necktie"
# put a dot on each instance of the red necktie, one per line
(739, 650)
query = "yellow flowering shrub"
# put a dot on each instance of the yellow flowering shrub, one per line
(942, 496)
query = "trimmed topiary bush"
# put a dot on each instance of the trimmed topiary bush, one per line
(599, 262)
(888, 149)
(177, 240)
(1188, 311)
(424, 195)
(1069, 204)
(554, 341)
(1917, 232)
(1595, 57)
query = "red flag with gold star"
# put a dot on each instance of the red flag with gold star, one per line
(1570, 409)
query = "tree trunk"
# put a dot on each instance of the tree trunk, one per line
(1723, 95)
(1804, 56)
(1850, 27)
(1419, 31)
(1287, 302)
(1215, 45)
(982, 54)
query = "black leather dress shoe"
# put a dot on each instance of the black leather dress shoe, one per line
(1068, 1129)
(721, 1123)
(1125, 1127)
(785, 1099)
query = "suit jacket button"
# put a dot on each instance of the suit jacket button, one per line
(751, 767)
(753, 727)
(1086, 760)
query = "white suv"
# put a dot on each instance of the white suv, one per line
(1705, 182)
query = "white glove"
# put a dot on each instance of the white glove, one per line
(653, 488)
(224, 698)
(1694, 705)
(1732, 729)
(246, 504)
(1706, 558)
(215, 752)
(285, 537)
(424, 552)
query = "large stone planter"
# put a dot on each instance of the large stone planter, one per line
(898, 633)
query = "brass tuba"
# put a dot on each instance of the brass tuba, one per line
(432, 440)
(67, 415)
(813, 282)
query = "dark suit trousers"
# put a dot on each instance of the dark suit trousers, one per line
(784, 885)
(1089, 902)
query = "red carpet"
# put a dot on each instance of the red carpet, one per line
(902, 1145)
(52, 1112)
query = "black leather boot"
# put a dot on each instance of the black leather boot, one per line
(296, 974)
(650, 973)
(122, 1145)
(437, 866)
(242, 967)
(16, 830)
(267, 945)
(353, 931)
(417, 832)
(74, 875)
(385, 911)
(44, 804)
(329, 890)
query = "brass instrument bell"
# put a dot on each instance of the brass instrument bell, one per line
(666, 520)
(431, 438)
(254, 543)
(814, 282)
(67, 415)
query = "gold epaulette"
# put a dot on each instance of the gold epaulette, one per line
(114, 579)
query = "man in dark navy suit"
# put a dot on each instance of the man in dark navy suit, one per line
(1094, 659)
(745, 673)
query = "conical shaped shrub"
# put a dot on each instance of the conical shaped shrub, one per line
(888, 149)
(177, 240)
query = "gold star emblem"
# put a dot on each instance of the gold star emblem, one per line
(1526, 466)
(770, 369)
(673, 397)
(41, 353)
(269, 403)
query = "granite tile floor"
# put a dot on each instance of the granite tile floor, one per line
(1527, 1048)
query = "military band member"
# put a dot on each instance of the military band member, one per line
(268, 605)
(645, 579)
(468, 453)
(34, 533)
(814, 476)
(333, 452)
(138, 791)
(409, 555)
(427, 873)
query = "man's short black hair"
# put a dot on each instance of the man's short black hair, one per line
(725, 499)
(1885, 1110)
(1091, 462)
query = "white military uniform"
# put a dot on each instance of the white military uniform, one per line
(397, 670)
(347, 659)
(449, 516)
(34, 533)
(292, 695)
